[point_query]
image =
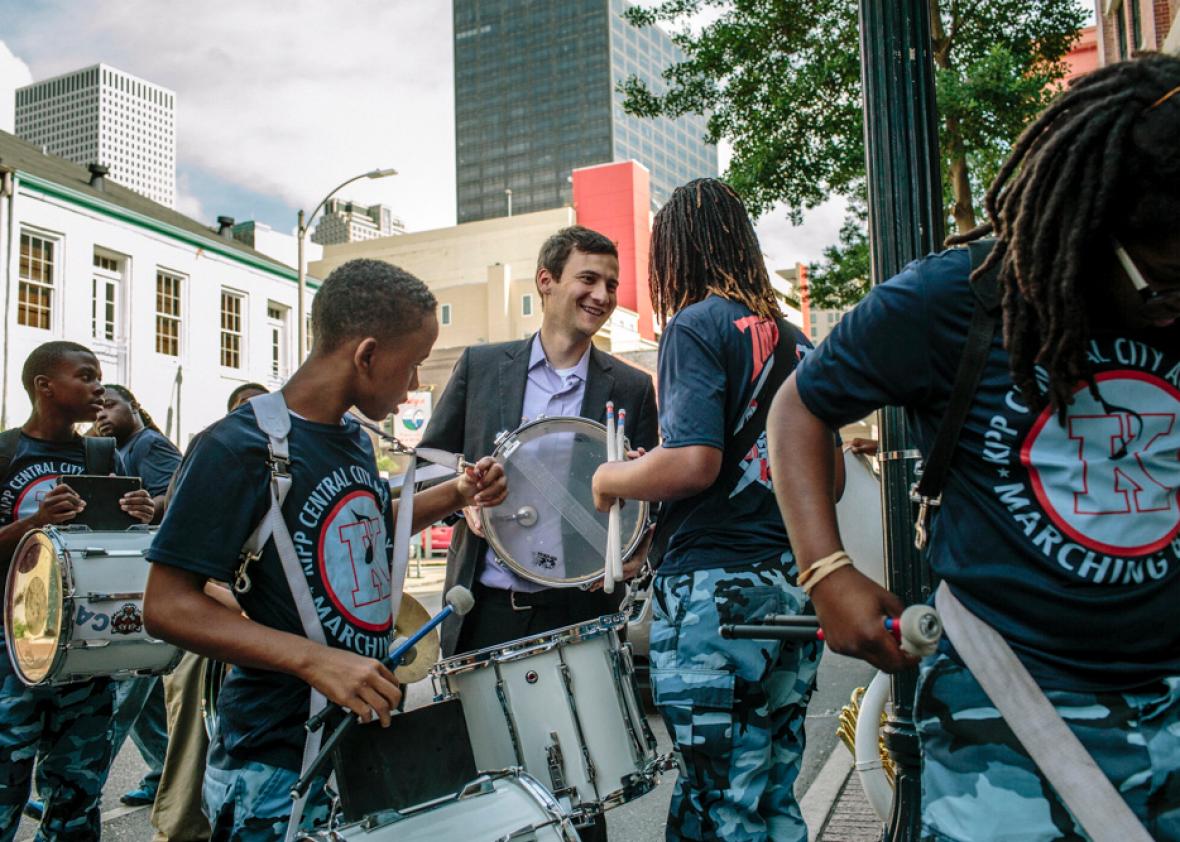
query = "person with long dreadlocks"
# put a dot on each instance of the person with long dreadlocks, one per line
(1059, 517)
(734, 708)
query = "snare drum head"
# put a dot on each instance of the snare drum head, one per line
(547, 529)
(33, 606)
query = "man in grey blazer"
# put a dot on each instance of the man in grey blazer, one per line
(494, 388)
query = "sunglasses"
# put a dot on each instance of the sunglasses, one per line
(1158, 305)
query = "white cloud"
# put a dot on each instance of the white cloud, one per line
(287, 99)
(186, 202)
(14, 74)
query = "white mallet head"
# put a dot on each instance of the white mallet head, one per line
(460, 599)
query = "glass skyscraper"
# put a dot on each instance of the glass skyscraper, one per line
(535, 98)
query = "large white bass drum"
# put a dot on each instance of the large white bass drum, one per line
(547, 528)
(73, 607)
(492, 808)
(858, 515)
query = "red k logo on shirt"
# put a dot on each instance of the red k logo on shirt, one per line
(1110, 477)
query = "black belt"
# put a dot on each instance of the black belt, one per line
(528, 600)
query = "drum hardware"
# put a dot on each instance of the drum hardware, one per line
(526, 516)
(556, 765)
(113, 597)
(435, 455)
(621, 658)
(587, 764)
(892, 455)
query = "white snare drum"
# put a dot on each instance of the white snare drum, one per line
(492, 808)
(564, 707)
(73, 607)
(547, 528)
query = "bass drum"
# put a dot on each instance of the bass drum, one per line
(858, 515)
(547, 529)
(73, 607)
(506, 805)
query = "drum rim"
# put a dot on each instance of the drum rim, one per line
(633, 542)
(527, 647)
(66, 634)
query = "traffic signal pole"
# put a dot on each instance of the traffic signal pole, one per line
(905, 222)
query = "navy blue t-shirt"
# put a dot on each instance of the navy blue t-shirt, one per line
(1062, 537)
(715, 356)
(151, 457)
(338, 513)
(34, 470)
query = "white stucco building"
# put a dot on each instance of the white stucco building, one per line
(175, 311)
(101, 115)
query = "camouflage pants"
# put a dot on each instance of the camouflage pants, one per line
(978, 784)
(64, 729)
(734, 708)
(252, 802)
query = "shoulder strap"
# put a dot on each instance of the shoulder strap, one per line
(984, 319)
(9, 441)
(100, 455)
(1058, 753)
(745, 439)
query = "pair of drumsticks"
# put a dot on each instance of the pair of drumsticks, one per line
(616, 451)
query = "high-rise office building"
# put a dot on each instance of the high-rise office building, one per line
(535, 99)
(347, 222)
(100, 115)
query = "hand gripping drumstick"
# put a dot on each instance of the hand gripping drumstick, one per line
(459, 601)
(918, 629)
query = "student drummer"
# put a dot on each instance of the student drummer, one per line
(63, 728)
(373, 324)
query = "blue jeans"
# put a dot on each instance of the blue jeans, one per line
(978, 783)
(139, 711)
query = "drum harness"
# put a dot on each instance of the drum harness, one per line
(1057, 752)
(274, 419)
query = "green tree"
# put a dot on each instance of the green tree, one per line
(780, 80)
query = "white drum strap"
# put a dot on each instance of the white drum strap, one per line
(401, 543)
(274, 419)
(1059, 754)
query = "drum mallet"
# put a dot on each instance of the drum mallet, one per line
(918, 630)
(459, 601)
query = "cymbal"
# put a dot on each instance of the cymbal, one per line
(416, 664)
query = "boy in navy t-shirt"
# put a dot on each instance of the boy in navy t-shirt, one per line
(373, 324)
(1059, 521)
(64, 728)
(734, 708)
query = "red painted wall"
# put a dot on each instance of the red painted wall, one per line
(614, 199)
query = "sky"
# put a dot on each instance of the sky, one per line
(278, 102)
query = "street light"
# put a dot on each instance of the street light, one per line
(301, 233)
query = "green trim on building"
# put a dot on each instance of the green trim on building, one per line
(209, 244)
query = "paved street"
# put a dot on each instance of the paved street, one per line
(639, 821)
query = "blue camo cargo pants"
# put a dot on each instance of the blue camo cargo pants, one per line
(65, 730)
(252, 802)
(734, 708)
(978, 784)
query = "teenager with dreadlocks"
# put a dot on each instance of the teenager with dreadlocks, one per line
(1058, 521)
(734, 708)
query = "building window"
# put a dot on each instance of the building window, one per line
(526, 305)
(231, 329)
(276, 323)
(1136, 25)
(168, 313)
(35, 292)
(444, 314)
(1121, 27)
(104, 298)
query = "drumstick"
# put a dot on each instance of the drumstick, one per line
(612, 521)
(620, 456)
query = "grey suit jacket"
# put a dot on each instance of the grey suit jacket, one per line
(485, 397)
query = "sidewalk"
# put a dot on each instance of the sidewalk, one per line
(434, 572)
(835, 807)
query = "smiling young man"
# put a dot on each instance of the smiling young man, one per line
(557, 371)
(328, 564)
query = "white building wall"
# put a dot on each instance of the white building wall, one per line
(150, 375)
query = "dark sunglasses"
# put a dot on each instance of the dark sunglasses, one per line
(1157, 304)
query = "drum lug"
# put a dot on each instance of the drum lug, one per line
(556, 764)
(501, 437)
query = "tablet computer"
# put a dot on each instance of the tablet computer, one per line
(102, 495)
